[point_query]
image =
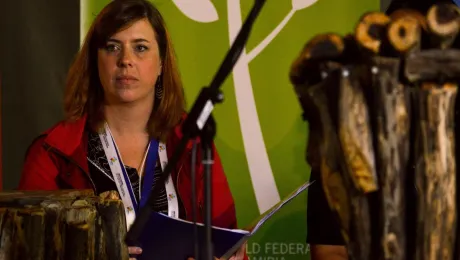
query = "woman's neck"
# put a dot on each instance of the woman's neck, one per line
(128, 119)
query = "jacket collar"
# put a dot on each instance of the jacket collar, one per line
(67, 136)
(68, 139)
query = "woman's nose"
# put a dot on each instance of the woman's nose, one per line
(126, 58)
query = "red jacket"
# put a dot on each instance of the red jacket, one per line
(57, 160)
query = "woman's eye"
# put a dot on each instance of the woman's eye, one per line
(111, 47)
(141, 48)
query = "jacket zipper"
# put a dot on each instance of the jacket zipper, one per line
(49, 147)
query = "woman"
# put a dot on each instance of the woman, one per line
(124, 102)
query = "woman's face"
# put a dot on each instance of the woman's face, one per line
(129, 64)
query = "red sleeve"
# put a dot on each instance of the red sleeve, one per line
(223, 207)
(40, 170)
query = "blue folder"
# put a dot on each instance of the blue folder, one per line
(169, 238)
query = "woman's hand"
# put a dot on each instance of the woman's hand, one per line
(132, 250)
(239, 255)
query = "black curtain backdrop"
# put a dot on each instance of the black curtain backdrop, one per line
(38, 41)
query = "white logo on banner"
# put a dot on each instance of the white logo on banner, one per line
(263, 181)
(202, 11)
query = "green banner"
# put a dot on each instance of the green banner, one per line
(260, 136)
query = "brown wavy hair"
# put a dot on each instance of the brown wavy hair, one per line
(83, 91)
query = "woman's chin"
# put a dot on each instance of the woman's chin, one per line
(127, 96)
(126, 99)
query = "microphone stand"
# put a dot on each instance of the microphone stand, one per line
(198, 120)
(207, 136)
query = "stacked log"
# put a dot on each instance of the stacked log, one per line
(381, 103)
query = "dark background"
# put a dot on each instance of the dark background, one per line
(38, 41)
(384, 4)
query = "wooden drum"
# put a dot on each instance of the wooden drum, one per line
(65, 224)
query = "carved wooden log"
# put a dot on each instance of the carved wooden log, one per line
(54, 227)
(330, 164)
(62, 225)
(350, 204)
(40, 194)
(390, 111)
(306, 72)
(110, 211)
(306, 69)
(435, 172)
(323, 152)
(371, 30)
(310, 79)
(405, 33)
(355, 138)
(7, 239)
(444, 24)
(80, 239)
(30, 243)
(432, 65)
(355, 134)
(404, 13)
(344, 185)
(398, 35)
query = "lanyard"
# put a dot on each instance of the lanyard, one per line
(123, 183)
